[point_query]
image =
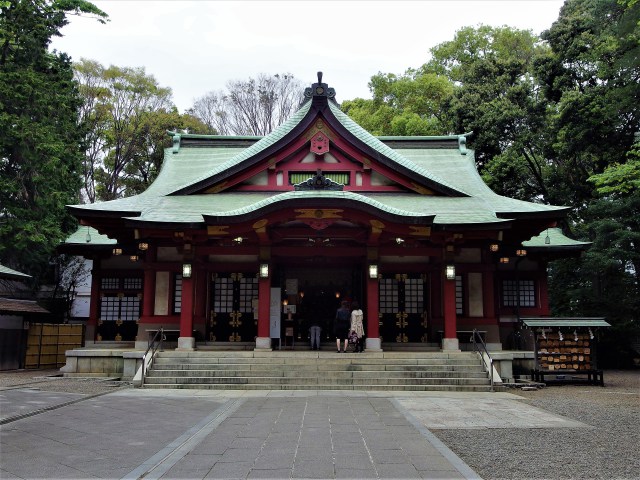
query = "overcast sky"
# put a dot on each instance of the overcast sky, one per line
(194, 47)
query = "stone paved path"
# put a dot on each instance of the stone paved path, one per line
(152, 434)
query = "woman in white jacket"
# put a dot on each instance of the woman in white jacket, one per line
(357, 325)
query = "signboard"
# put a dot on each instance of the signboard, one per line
(274, 313)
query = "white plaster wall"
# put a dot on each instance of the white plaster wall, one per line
(161, 306)
(476, 306)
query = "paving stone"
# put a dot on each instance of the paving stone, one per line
(397, 470)
(313, 469)
(355, 473)
(270, 473)
(230, 470)
(353, 461)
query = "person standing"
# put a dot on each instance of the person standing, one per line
(357, 325)
(341, 325)
(314, 332)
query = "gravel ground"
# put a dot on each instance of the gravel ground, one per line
(51, 380)
(609, 448)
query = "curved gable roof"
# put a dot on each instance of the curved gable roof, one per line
(325, 106)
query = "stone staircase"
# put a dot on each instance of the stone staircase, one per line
(312, 370)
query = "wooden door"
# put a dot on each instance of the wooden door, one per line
(403, 308)
(232, 316)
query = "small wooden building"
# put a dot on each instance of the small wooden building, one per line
(315, 212)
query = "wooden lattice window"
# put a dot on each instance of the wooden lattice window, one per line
(120, 307)
(133, 283)
(110, 283)
(527, 293)
(223, 295)
(110, 308)
(459, 295)
(338, 177)
(177, 293)
(388, 295)
(414, 295)
(248, 291)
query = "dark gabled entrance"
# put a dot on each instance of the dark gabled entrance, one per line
(316, 290)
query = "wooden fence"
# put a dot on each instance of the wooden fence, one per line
(47, 344)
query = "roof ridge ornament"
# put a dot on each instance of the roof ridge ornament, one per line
(318, 182)
(319, 91)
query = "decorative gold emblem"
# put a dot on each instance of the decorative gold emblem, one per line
(401, 277)
(212, 337)
(119, 322)
(234, 337)
(423, 338)
(425, 319)
(235, 319)
(317, 213)
(402, 338)
(118, 338)
(402, 319)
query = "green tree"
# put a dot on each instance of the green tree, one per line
(127, 115)
(40, 138)
(408, 104)
(497, 98)
(591, 79)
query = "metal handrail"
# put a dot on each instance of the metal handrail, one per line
(154, 345)
(481, 348)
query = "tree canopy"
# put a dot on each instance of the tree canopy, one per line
(250, 107)
(126, 114)
(554, 119)
(40, 137)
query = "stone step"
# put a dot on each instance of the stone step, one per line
(342, 360)
(293, 370)
(251, 373)
(311, 354)
(325, 387)
(317, 367)
(313, 381)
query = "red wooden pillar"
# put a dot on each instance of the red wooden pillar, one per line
(263, 339)
(200, 301)
(373, 314)
(186, 340)
(450, 340)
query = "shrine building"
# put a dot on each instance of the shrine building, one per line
(238, 235)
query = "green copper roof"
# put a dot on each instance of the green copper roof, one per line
(464, 198)
(6, 272)
(82, 234)
(383, 149)
(257, 147)
(556, 239)
(565, 322)
(322, 194)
